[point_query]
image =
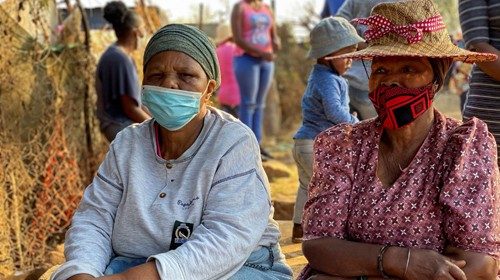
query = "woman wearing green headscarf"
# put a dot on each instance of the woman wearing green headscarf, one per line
(181, 196)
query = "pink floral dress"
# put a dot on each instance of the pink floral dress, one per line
(447, 196)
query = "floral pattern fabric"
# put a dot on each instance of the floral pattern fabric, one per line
(447, 196)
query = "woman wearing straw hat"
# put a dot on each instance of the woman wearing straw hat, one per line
(181, 196)
(411, 194)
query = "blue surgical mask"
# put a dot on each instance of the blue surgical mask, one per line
(171, 108)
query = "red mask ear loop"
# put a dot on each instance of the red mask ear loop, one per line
(366, 70)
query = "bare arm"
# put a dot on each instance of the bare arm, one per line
(143, 271)
(274, 37)
(474, 19)
(236, 26)
(479, 266)
(132, 110)
(362, 260)
(491, 68)
(81, 277)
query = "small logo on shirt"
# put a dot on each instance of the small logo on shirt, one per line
(187, 204)
(181, 233)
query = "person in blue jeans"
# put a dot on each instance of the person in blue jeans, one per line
(255, 35)
(326, 100)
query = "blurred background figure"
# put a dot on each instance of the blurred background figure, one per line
(228, 94)
(360, 70)
(254, 32)
(117, 84)
(331, 7)
(480, 20)
(459, 81)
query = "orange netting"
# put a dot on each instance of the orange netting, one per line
(49, 137)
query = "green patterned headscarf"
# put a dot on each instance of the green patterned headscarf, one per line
(188, 40)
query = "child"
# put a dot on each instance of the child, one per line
(326, 100)
(228, 95)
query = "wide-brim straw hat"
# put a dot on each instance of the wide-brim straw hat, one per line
(413, 28)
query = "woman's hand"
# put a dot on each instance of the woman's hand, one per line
(479, 266)
(428, 264)
(327, 277)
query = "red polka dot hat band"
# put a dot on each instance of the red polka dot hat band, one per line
(380, 26)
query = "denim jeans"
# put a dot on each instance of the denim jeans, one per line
(303, 156)
(254, 76)
(266, 263)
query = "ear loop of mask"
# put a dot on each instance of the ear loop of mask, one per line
(366, 70)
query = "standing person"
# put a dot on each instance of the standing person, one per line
(117, 85)
(255, 34)
(411, 194)
(359, 72)
(184, 195)
(331, 7)
(228, 94)
(480, 20)
(325, 102)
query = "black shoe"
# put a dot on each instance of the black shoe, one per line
(265, 154)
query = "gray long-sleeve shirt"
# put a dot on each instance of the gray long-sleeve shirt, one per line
(218, 187)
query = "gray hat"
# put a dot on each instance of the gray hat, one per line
(188, 40)
(330, 35)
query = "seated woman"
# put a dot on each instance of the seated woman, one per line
(411, 194)
(181, 196)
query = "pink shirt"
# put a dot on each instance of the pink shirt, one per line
(229, 91)
(256, 27)
(448, 195)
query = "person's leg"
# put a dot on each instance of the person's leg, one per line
(246, 70)
(361, 103)
(265, 79)
(265, 264)
(303, 156)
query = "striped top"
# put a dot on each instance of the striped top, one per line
(480, 20)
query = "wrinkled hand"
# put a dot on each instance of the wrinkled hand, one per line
(428, 264)
(327, 277)
(112, 277)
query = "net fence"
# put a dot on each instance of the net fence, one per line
(50, 144)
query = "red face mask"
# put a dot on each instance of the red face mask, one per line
(399, 106)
